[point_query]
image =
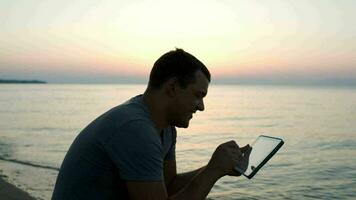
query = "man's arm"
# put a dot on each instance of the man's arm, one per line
(222, 163)
(175, 182)
(197, 188)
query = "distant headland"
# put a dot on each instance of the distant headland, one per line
(22, 81)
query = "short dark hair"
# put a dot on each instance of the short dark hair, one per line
(179, 64)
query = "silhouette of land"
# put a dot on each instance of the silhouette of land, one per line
(22, 81)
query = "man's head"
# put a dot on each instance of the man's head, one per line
(184, 81)
(178, 64)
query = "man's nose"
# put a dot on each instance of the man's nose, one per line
(201, 105)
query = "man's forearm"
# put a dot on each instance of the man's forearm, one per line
(181, 180)
(199, 186)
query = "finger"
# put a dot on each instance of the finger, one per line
(232, 144)
(246, 158)
(240, 171)
(245, 148)
(238, 155)
(247, 153)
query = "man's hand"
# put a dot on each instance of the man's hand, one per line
(227, 156)
(243, 164)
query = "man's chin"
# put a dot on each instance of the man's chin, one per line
(183, 125)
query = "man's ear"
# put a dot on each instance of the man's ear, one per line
(170, 87)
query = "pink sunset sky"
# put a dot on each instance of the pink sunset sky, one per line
(81, 41)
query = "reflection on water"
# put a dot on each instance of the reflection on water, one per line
(317, 161)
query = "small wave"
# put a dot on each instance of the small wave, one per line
(247, 118)
(29, 164)
(344, 144)
(51, 129)
(267, 125)
(281, 165)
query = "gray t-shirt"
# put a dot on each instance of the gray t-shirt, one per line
(121, 145)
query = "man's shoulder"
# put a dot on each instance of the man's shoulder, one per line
(131, 110)
(131, 117)
(118, 121)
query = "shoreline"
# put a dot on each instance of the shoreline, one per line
(11, 192)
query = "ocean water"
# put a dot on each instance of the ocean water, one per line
(318, 125)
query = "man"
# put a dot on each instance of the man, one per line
(129, 151)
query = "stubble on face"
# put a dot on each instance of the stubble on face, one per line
(189, 100)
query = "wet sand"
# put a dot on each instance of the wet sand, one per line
(11, 192)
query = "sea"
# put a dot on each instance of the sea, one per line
(38, 123)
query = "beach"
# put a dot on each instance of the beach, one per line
(38, 123)
(11, 192)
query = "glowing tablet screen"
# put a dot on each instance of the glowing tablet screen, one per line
(262, 150)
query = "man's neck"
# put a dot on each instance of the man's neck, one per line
(156, 106)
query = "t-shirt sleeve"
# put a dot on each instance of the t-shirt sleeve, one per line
(137, 152)
(171, 155)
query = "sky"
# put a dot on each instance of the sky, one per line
(80, 41)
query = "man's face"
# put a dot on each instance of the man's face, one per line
(189, 100)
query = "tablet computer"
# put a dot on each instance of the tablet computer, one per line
(263, 148)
